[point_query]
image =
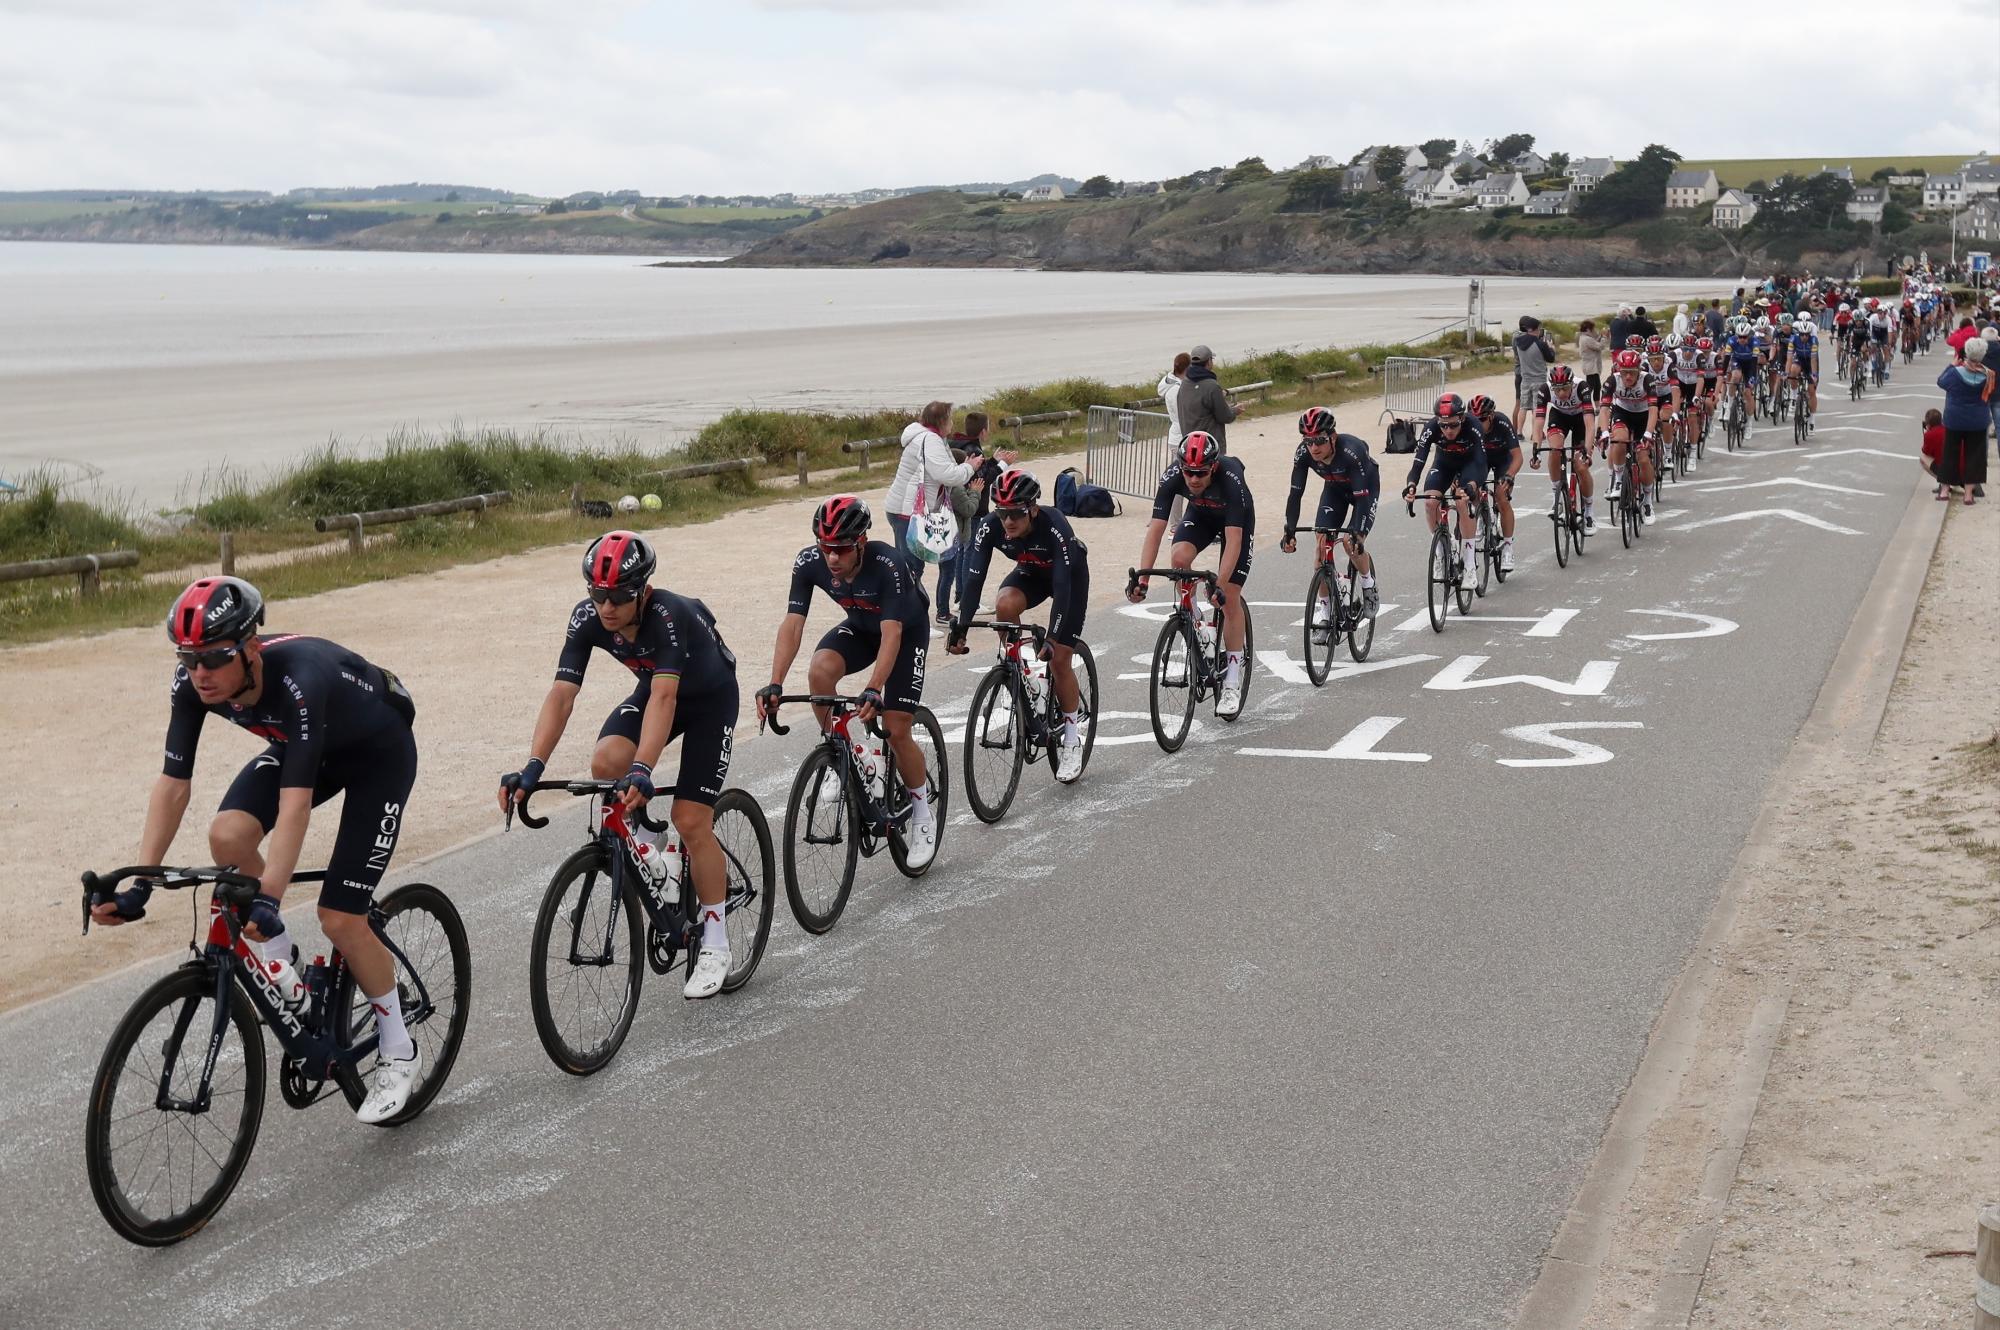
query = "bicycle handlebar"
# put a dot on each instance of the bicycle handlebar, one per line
(231, 887)
(1006, 629)
(833, 700)
(534, 823)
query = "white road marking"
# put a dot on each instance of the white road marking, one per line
(1545, 625)
(1293, 671)
(1795, 480)
(1712, 626)
(1789, 514)
(1591, 680)
(1357, 745)
(1581, 754)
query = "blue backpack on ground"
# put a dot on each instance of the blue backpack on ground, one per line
(1077, 497)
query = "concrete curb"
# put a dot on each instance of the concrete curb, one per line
(1844, 721)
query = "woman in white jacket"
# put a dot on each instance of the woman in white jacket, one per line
(1170, 390)
(926, 467)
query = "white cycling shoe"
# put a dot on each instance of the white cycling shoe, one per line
(920, 844)
(1507, 557)
(1229, 701)
(390, 1095)
(1069, 760)
(705, 976)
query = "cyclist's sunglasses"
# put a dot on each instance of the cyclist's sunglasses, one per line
(613, 595)
(1453, 423)
(1011, 514)
(214, 658)
(839, 547)
(1197, 472)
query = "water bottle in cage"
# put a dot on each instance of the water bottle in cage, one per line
(1204, 626)
(868, 760)
(1034, 674)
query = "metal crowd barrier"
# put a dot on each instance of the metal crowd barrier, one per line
(1125, 451)
(1411, 385)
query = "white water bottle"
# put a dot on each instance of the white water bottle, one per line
(662, 865)
(1035, 674)
(868, 757)
(1204, 629)
(285, 979)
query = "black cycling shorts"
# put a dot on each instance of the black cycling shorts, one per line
(1575, 428)
(1633, 421)
(1202, 533)
(859, 643)
(1335, 506)
(706, 726)
(377, 783)
(1445, 469)
(1065, 620)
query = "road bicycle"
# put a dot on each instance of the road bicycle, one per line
(1339, 590)
(583, 987)
(1444, 575)
(1856, 375)
(1486, 538)
(1017, 719)
(1766, 399)
(179, 1092)
(1625, 496)
(1736, 416)
(1566, 514)
(1878, 361)
(1801, 412)
(1189, 658)
(849, 802)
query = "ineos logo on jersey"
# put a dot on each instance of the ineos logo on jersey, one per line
(385, 838)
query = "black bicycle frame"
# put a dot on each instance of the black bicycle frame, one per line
(876, 818)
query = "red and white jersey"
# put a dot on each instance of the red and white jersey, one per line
(1634, 398)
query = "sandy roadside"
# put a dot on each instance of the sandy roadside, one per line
(1872, 940)
(477, 647)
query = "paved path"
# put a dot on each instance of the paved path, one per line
(1315, 1023)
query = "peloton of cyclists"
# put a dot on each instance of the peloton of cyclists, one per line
(1564, 409)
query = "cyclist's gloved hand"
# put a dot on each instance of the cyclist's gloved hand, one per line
(954, 641)
(125, 906)
(1289, 543)
(522, 783)
(871, 702)
(638, 780)
(263, 915)
(767, 698)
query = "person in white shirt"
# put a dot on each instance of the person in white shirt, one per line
(1170, 387)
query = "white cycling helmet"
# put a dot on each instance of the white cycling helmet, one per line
(1673, 341)
(1763, 323)
(1785, 320)
(1845, 308)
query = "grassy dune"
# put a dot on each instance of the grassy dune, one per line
(1737, 172)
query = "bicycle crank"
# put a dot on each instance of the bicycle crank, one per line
(662, 950)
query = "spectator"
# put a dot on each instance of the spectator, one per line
(1960, 335)
(1532, 357)
(1590, 356)
(1714, 320)
(1991, 336)
(1968, 392)
(1171, 384)
(1933, 449)
(924, 473)
(965, 501)
(1642, 325)
(1621, 328)
(1681, 321)
(1202, 405)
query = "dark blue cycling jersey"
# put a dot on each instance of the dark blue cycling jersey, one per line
(1226, 502)
(1497, 435)
(319, 702)
(881, 589)
(677, 637)
(1049, 552)
(1350, 472)
(1460, 455)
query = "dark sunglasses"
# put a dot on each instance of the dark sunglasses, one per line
(212, 659)
(1453, 423)
(844, 547)
(1196, 472)
(1011, 514)
(614, 595)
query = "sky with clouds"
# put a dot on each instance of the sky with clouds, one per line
(759, 96)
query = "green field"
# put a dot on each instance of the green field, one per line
(1741, 171)
(702, 216)
(34, 213)
(406, 209)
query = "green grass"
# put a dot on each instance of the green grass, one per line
(404, 209)
(709, 216)
(36, 212)
(1737, 172)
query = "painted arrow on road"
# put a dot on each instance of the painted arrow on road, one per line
(1793, 480)
(1859, 452)
(1787, 513)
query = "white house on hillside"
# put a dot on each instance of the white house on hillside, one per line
(1530, 163)
(1981, 221)
(1044, 194)
(1589, 173)
(1552, 203)
(1360, 178)
(1434, 189)
(1413, 158)
(1733, 210)
(1475, 164)
(1691, 189)
(1317, 162)
(1944, 191)
(1981, 178)
(1839, 172)
(1505, 190)
(1867, 204)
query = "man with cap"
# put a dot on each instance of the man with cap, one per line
(1202, 404)
(1620, 329)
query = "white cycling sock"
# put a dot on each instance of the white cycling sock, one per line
(1325, 608)
(714, 926)
(1367, 579)
(392, 1035)
(278, 948)
(920, 805)
(1234, 673)
(1072, 727)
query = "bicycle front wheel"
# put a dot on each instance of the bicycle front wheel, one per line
(1488, 548)
(1176, 663)
(995, 747)
(822, 841)
(1561, 521)
(426, 937)
(582, 991)
(1360, 621)
(930, 740)
(1084, 664)
(750, 863)
(1438, 595)
(160, 1174)
(1322, 627)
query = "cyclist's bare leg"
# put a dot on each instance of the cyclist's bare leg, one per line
(1432, 515)
(612, 757)
(909, 757)
(1503, 496)
(823, 676)
(235, 838)
(696, 825)
(1062, 668)
(1357, 550)
(1232, 617)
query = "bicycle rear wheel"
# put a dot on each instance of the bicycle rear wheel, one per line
(751, 864)
(159, 1175)
(1486, 549)
(427, 937)
(1084, 664)
(930, 738)
(1176, 665)
(822, 841)
(1243, 675)
(1320, 636)
(995, 747)
(1561, 520)
(583, 993)
(1360, 623)
(1438, 576)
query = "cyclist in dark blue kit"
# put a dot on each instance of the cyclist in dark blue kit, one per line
(1461, 458)
(1352, 485)
(1503, 461)
(1218, 505)
(686, 690)
(886, 631)
(333, 723)
(1050, 564)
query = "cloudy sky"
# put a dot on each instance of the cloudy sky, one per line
(757, 96)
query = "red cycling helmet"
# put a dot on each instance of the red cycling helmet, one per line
(619, 560)
(1200, 451)
(1627, 360)
(1480, 406)
(215, 609)
(1450, 407)
(1655, 345)
(841, 520)
(1561, 376)
(1316, 423)
(1704, 344)
(1634, 342)
(1016, 489)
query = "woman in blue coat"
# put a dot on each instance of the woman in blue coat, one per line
(1968, 388)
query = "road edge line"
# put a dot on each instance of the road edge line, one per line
(1845, 718)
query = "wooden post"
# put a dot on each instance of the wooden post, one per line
(1986, 1291)
(228, 556)
(802, 467)
(86, 581)
(354, 545)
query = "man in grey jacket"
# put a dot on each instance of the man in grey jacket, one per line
(1202, 404)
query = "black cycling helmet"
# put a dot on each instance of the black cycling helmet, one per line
(1316, 423)
(1016, 489)
(841, 520)
(1450, 407)
(619, 561)
(215, 609)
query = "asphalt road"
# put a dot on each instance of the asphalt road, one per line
(1317, 1022)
